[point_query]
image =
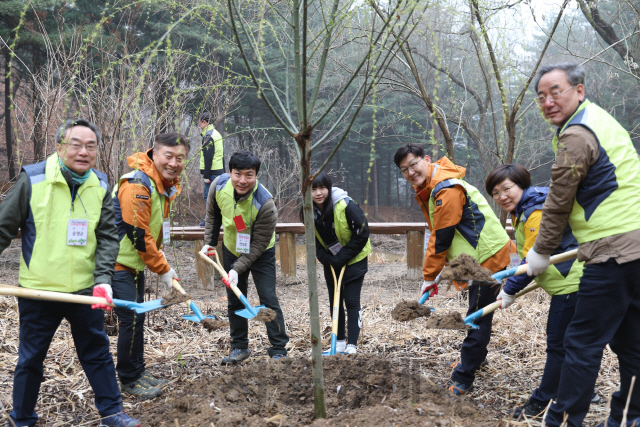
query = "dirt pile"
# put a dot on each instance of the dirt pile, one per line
(360, 390)
(409, 310)
(464, 268)
(265, 315)
(214, 324)
(446, 321)
(174, 297)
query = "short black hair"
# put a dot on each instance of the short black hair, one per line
(243, 159)
(205, 117)
(518, 174)
(172, 139)
(405, 150)
(69, 123)
(575, 73)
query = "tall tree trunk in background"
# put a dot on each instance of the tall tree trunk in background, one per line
(363, 184)
(376, 212)
(38, 132)
(7, 116)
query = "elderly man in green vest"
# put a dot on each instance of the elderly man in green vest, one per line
(64, 211)
(595, 186)
(211, 155)
(248, 216)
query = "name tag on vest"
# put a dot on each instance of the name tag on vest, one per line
(166, 232)
(77, 232)
(243, 243)
(335, 248)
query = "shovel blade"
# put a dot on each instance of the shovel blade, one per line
(139, 307)
(250, 314)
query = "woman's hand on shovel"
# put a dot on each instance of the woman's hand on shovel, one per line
(103, 290)
(429, 284)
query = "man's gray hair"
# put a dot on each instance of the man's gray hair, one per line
(575, 73)
(69, 123)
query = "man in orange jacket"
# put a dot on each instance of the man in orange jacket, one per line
(460, 221)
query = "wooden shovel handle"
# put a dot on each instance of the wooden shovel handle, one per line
(52, 296)
(222, 273)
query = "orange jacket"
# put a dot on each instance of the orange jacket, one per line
(134, 206)
(448, 213)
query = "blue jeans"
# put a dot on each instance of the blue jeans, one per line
(205, 193)
(39, 321)
(561, 312)
(607, 312)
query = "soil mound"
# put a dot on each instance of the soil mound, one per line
(409, 310)
(447, 321)
(174, 297)
(265, 315)
(360, 390)
(214, 324)
(464, 267)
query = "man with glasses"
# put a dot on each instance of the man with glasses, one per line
(64, 211)
(461, 221)
(595, 186)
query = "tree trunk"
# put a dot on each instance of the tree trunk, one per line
(38, 132)
(376, 213)
(7, 117)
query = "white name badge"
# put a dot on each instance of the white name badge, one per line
(243, 243)
(166, 232)
(77, 232)
(335, 248)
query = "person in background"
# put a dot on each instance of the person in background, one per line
(460, 221)
(248, 215)
(142, 200)
(595, 186)
(211, 154)
(342, 239)
(64, 211)
(510, 186)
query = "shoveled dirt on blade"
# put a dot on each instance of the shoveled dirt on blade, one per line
(214, 324)
(464, 267)
(360, 390)
(409, 310)
(446, 321)
(265, 315)
(174, 297)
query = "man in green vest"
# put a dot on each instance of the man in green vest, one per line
(460, 221)
(142, 201)
(595, 186)
(64, 211)
(248, 215)
(211, 155)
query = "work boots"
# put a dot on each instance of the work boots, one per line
(236, 356)
(140, 388)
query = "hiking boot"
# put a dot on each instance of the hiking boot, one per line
(151, 380)
(613, 423)
(236, 356)
(483, 365)
(141, 389)
(119, 420)
(530, 409)
(202, 224)
(278, 356)
(341, 345)
(458, 389)
(351, 349)
(596, 397)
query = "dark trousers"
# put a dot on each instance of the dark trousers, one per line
(474, 346)
(263, 271)
(39, 321)
(607, 312)
(205, 192)
(349, 297)
(129, 287)
(561, 312)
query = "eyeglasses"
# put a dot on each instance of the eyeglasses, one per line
(497, 194)
(554, 96)
(411, 167)
(75, 146)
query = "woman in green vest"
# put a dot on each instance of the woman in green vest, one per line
(342, 238)
(511, 188)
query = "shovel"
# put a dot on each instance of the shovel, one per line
(522, 269)
(79, 299)
(250, 311)
(427, 294)
(334, 318)
(197, 315)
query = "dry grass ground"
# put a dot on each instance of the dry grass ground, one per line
(184, 352)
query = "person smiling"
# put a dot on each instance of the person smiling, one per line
(510, 186)
(142, 201)
(461, 221)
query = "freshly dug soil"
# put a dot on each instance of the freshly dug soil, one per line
(360, 390)
(409, 310)
(214, 324)
(464, 267)
(174, 297)
(265, 315)
(446, 321)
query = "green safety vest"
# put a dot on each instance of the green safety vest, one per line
(479, 233)
(128, 254)
(218, 160)
(607, 199)
(248, 208)
(343, 233)
(558, 279)
(47, 262)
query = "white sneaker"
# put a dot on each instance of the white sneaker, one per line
(351, 349)
(341, 346)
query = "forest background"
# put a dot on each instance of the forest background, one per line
(459, 83)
